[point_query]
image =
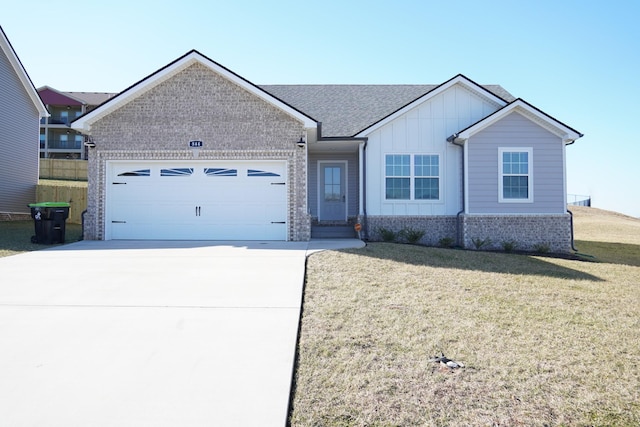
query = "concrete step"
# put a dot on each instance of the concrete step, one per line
(333, 232)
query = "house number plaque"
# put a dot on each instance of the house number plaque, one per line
(195, 144)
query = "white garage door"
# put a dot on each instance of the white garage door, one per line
(197, 200)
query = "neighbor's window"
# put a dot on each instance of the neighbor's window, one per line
(412, 177)
(516, 177)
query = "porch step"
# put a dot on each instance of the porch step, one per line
(333, 232)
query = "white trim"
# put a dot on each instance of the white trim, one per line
(460, 79)
(361, 183)
(84, 123)
(529, 174)
(12, 56)
(412, 178)
(346, 185)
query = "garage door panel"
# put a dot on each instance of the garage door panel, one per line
(200, 200)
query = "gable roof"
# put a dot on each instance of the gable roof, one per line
(568, 134)
(459, 79)
(11, 55)
(347, 110)
(84, 122)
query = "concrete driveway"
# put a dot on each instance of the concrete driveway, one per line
(123, 333)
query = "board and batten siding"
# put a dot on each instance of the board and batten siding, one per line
(516, 131)
(424, 130)
(353, 173)
(19, 139)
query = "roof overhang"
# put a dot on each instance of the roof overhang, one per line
(457, 80)
(336, 145)
(83, 123)
(11, 55)
(568, 134)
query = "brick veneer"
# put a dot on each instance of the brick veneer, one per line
(197, 104)
(527, 232)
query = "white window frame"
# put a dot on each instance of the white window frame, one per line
(412, 178)
(529, 174)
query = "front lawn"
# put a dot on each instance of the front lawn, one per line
(545, 341)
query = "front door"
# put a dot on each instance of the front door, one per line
(333, 191)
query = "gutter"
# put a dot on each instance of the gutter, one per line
(573, 247)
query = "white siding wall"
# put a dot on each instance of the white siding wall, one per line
(19, 139)
(424, 130)
(516, 130)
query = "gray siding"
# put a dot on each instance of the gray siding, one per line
(19, 142)
(353, 175)
(515, 130)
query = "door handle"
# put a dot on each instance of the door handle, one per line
(198, 210)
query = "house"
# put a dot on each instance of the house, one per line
(21, 110)
(195, 151)
(57, 139)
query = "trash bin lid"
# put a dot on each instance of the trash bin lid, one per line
(49, 205)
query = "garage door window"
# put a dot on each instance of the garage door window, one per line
(255, 172)
(140, 172)
(176, 172)
(220, 172)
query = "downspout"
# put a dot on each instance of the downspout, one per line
(573, 247)
(459, 237)
(365, 224)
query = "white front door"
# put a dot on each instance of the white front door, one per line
(332, 191)
(197, 200)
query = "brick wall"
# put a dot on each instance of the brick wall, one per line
(197, 104)
(528, 232)
(435, 227)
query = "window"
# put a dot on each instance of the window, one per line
(516, 175)
(427, 177)
(412, 177)
(398, 181)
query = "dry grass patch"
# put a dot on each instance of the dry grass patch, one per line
(545, 341)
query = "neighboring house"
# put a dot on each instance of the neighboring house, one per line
(20, 112)
(57, 140)
(195, 151)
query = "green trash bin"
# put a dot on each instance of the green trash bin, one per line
(49, 219)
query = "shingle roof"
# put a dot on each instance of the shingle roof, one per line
(344, 110)
(91, 98)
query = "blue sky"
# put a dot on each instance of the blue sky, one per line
(577, 61)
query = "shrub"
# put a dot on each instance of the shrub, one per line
(479, 243)
(411, 235)
(446, 242)
(542, 248)
(387, 235)
(509, 245)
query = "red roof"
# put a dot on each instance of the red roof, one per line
(51, 97)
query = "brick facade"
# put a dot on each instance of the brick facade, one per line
(197, 104)
(435, 227)
(526, 232)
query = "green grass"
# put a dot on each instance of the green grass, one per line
(545, 341)
(15, 237)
